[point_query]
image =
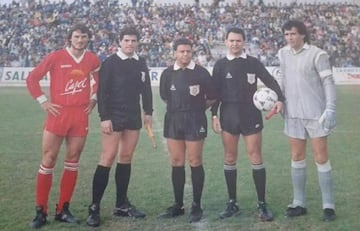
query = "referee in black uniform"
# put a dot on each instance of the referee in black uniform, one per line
(124, 78)
(236, 77)
(187, 90)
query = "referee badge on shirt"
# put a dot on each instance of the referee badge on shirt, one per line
(194, 90)
(143, 76)
(251, 78)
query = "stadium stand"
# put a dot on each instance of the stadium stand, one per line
(29, 30)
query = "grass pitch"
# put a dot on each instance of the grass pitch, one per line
(150, 186)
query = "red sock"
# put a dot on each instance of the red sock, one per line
(43, 186)
(68, 182)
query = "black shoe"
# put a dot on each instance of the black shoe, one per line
(232, 209)
(128, 210)
(329, 215)
(295, 211)
(173, 211)
(93, 219)
(196, 213)
(40, 218)
(65, 215)
(264, 213)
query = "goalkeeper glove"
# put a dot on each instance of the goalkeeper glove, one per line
(328, 119)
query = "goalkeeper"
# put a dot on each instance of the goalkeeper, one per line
(309, 113)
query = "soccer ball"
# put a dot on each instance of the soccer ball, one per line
(264, 99)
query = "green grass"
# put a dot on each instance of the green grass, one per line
(150, 187)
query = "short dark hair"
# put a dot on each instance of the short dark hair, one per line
(81, 27)
(129, 30)
(182, 41)
(235, 30)
(300, 26)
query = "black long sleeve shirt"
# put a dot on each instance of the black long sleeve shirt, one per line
(121, 83)
(236, 80)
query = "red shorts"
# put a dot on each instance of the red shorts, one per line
(72, 121)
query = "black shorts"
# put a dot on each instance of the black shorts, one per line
(126, 121)
(237, 118)
(190, 126)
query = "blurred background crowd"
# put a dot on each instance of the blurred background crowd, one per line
(31, 29)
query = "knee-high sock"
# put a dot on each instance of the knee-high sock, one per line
(259, 176)
(230, 173)
(178, 181)
(122, 179)
(298, 175)
(197, 178)
(43, 186)
(100, 181)
(68, 182)
(326, 185)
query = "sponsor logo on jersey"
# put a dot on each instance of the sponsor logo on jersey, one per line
(257, 125)
(74, 86)
(202, 129)
(76, 83)
(194, 90)
(250, 78)
(172, 88)
(228, 76)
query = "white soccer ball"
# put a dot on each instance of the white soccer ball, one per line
(264, 99)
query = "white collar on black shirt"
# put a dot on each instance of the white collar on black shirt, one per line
(190, 66)
(124, 56)
(231, 57)
(305, 47)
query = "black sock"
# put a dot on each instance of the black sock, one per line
(230, 173)
(178, 181)
(100, 181)
(259, 176)
(197, 178)
(122, 179)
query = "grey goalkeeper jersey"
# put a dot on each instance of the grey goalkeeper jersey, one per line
(307, 82)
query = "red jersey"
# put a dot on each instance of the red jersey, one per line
(70, 77)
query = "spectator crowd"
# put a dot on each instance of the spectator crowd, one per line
(31, 29)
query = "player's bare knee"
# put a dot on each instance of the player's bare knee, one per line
(230, 158)
(255, 158)
(194, 162)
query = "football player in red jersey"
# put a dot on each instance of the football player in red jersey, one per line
(73, 75)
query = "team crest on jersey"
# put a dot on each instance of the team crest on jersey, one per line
(194, 90)
(250, 78)
(143, 77)
(228, 76)
(172, 88)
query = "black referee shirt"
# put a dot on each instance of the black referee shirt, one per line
(186, 89)
(236, 80)
(121, 82)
